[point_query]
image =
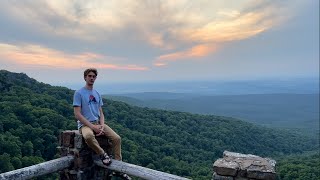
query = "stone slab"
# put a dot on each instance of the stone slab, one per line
(245, 166)
(226, 168)
(219, 177)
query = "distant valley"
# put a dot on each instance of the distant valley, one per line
(294, 111)
(213, 87)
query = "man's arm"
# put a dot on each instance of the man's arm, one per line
(84, 121)
(101, 116)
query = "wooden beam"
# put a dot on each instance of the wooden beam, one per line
(138, 171)
(39, 169)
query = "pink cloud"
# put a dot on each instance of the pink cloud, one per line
(33, 55)
(194, 52)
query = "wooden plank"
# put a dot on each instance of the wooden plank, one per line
(39, 169)
(138, 171)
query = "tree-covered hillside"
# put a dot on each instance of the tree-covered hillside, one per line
(32, 114)
(299, 167)
(292, 111)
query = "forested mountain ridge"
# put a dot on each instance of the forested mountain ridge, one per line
(32, 114)
(292, 111)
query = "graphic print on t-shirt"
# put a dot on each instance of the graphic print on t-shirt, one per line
(92, 99)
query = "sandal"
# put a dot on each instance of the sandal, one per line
(122, 175)
(106, 160)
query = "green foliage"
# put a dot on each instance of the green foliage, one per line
(16, 162)
(31, 160)
(5, 164)
(32, 115)
(27, 149)
(187, 144)
(299, 167)
(295, 111)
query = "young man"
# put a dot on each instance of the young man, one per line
(87, 105)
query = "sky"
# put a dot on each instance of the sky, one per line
(159, 40)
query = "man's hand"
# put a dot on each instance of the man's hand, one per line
(98, 129)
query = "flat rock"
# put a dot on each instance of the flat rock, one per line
(245, 166)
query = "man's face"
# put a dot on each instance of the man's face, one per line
(90, 78)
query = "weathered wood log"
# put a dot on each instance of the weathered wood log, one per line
(39, 169)
(138, 171)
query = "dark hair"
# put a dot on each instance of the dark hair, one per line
(87, 71)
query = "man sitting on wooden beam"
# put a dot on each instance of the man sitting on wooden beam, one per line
(87, 104)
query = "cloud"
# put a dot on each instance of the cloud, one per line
(247, 21)
(176, 29)
(242, 27)
(194, 52)
(38, 56)
(154, 21)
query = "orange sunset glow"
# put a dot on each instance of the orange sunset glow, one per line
(44, 57)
